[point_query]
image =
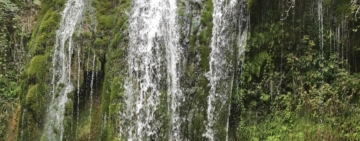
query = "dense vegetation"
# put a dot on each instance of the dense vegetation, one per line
(298, 79)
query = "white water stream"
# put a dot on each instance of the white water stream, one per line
(62, 86)
(153, 52)
(221, 70)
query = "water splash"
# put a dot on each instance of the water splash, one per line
(221, 70)
(62, 85)
(153, 27)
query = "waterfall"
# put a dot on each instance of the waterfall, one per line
(221, 72)
(153, 33)
(61, 82)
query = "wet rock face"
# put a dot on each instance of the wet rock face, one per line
(105, 32)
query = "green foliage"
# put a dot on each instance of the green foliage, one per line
(342, 5)
(293, 88)
(8, 89)
(250, 3)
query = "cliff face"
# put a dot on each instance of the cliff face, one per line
(217, 70)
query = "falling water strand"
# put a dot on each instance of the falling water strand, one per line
(321, 43)
(321, 27)
(220, 75)
(78, 88)
(92, 91)
(331, 40)
(153, 26)
(141, 88)
(173, 51)
(321, 36)
(22, 124)
(241, 38)
(62, 85)
(343, 43)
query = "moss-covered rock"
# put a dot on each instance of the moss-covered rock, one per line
(107, 21)
(40, 43)
(35, 111)
(39, 67)
(36, 101)
(113, 88)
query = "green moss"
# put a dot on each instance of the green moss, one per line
(102, 6)
(32, 131)
(115, 25)
(34, 83)
(99, 42)
(86, 34)
(36, 102)
(59, 2)
(40, 43)
(204, 53)
(205, 36)
(39, 67)
(115, 41)
(50, 21)
(117, 88)
(68, 119)
(206, 14)
(181, 13)
(107, 21)
(164, 116)
(125, 3)
(198, 127)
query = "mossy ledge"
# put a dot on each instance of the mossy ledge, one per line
(36, 78)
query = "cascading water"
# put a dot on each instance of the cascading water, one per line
(153, 27)
(62, 85)
(221, 70)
